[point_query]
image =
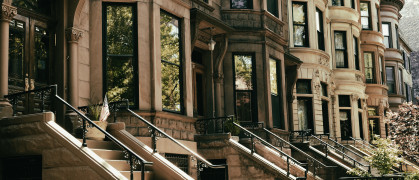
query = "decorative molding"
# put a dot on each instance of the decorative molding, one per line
(323, 61)
(358, 78)
(218, 77)
(355, 97)
(73, 34)
(7, 12)
(316, 82)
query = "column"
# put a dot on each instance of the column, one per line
(7, 14)
(73, 35)
(218, 79)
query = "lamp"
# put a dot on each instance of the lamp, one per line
(211, 44)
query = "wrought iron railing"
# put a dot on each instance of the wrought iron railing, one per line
(289, 158)
(39, 97)
(392, 177)
(362, 143)
(114, 108)
(212, 125)
(300, 135)
(156, 133)
(316, 164)
(344, 155)
(133, 158)
(344, 148)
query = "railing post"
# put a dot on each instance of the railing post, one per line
(14, 104)
(43, 101)
(142, 171)
(253, 145)
(131, 163)
(288, 166)
(84, 132)
(154, 140)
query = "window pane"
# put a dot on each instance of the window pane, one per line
(344, 101)
(386, 31)
(299, 35)
(304, 113)
(324, 89)
(244, 105)
(400, 82)
(303, 86)
(345, 124)
(340, 59)
(39, 6)
(41, 54)
(241, 4)
(298, 11)
(355, 43)
(337, 2)
(339, 40)
(365, 22)
(119, 57)
(273, 7)
(273, 76)
(16, 53)
(369, 67)
(243, 69)
(390, 79)
(364, 9)
(171, 62)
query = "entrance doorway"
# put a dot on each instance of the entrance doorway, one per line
(198, 84)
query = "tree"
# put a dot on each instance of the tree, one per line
(404, 130)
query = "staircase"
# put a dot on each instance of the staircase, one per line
(111, 153)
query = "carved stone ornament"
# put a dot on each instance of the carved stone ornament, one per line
(324, 61)
(358, 77)
(316, 81)
(73, 34)
(355, 97)
(8, 12)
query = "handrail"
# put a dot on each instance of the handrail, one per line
(342, 153)
(154, 139)
(133, 157)
(362, 142)
(345, 148)
(304, 134)
(14, 100)
(114, 106)
(202, 125)
(273, 147)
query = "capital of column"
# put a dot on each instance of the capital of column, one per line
(218, 77)
(73, 34)
(7, 12)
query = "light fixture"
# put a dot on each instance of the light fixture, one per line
(211, 44)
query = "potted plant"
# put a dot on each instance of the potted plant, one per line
(94, 114)
(230, 127)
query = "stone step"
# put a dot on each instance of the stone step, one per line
(137, 175)
(97, 144)
(120, 165)
(109, 154)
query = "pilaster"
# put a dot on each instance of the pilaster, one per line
(73, 35)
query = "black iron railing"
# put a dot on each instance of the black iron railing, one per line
(156, 133)
(38, 97)
(355, 163)
(114, 108)
(133, 158)
(393, 177)
(362, 143)
(316, 164)
(252, 125)
(344, 148)
(212, 125)
(300, 136)
(289, 158)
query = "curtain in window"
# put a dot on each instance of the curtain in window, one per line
(302, 114)
(365, 15)
(299, 24)
(369, 67)
(340, 48)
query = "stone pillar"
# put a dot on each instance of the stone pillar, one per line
(7, 14)
(218, 79)
(73, 35)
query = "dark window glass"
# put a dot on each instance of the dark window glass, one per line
(273, 7)
(303, 86)
(305, 113)
(244, 88)
(369, 67)
(171, 66)
(380, 63)
(344, 101)
(324, 89)
(299, 18)
(276, 94)
(345, 124)
(39, 6)
(22, 167)
(325, 116)
(41, 54)
(353, 4)
(408, 93)
(356, 53)
(16, 53)
(319, 28)
(378, 19)
(365, 15)
(390, 80)
(397, 37)
(337, 3)
(372, 111)
(120, 59)
(374, 127)
(179, 160)
(387, 35)
(241, 4)
(400, 82)
(359, 104)
(341, 55)
(361, 129)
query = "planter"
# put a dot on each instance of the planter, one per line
(94, 133)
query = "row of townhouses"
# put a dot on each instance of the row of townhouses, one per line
(197, 89)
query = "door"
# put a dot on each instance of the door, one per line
(29, 60)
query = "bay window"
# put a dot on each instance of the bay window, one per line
(365, 15)
(300, 28)
(387, 34)
(369, 67)
(341, 55)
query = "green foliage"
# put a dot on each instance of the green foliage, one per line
(412, 176)
(243, 68)
(230, 127)
(94, 112)
(358, 172)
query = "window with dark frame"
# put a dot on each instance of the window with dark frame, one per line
(387, 34)
(345, 124)
(380, 63)
(276, 93)
(244, 87)
(408, 93)
(319, 28)
(369, 67)
(365, 15)
(171, 63)
(390, 80)
(341, 55)
(338, 3)
(344, 101)
(303, 86)
(353, 4)
(397, 37)
(120, 52)
(356, 53)
(400, 82)
(324, 89)
(241, 4)
(273, 7)
(305, 113)
(300, 25)
(378, 18)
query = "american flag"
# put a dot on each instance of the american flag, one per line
(104, 113)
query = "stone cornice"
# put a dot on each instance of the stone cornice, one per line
(73, 34)
(7, 12)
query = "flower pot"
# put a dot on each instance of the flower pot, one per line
(94, 133)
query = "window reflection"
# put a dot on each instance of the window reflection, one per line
(241, 4)
(369, 67)
(299, 24)
(16, 53)
(245, 93)
(41, 54)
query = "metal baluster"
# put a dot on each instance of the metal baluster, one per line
(154, 139)
(43, 101)
(131, 167)
(288, 166)
(142, 170)
(84, 132)
(253, 145)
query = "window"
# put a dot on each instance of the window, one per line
(179, 160)
(245, 91)
(341, 55)
(356, 52)
(303, 86)
(39, 6)
(324, 89)
(299, 18)
(305, 113)
(387, 35)
(345, 124)
(390, 79)
(400, 82)
(273, 7)
(276, 93)
(120, 53)
(353, 4)
(171, 66)
(344, 101)
(380, 63)
(361, 128)
(241, 4)
(397, 37)
(319, 28)
(369, 67)
(337, 3)
(365, 15)
(325, 116)
(378, 18)
(408, 93)
(406, 61)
